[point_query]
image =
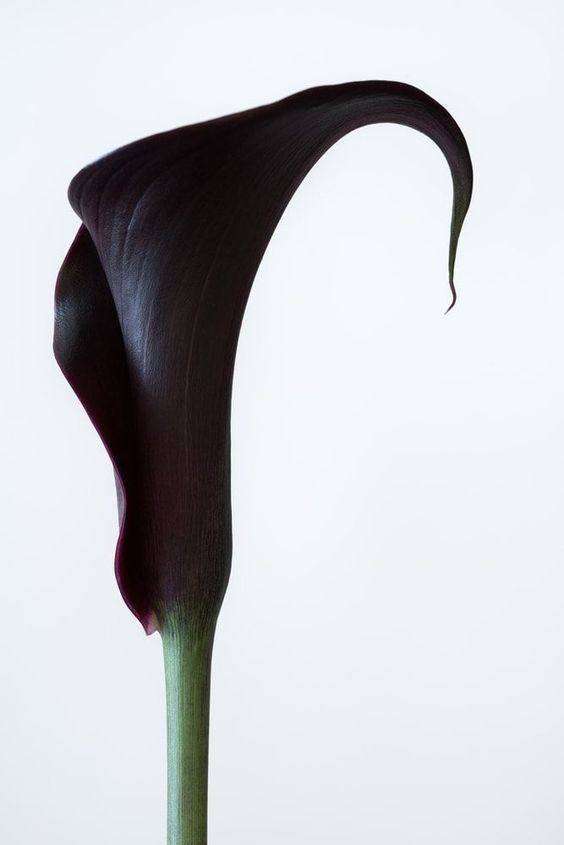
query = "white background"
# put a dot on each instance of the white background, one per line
(389, 663)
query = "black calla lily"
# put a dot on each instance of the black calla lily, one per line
(149, 304)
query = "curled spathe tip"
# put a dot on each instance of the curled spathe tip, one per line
(453, 300)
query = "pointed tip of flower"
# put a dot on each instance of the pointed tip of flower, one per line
(453, 291)
(461, 202)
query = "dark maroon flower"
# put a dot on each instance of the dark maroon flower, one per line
(150, 299)
(149, 303)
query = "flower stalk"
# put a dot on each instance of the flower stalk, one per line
(187, 658)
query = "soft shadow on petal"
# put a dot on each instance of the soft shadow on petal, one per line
(180, 222)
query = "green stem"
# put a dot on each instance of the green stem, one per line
(187, 657)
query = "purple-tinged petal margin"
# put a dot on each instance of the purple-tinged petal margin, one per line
(89, 349)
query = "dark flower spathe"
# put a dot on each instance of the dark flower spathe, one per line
(151, 297)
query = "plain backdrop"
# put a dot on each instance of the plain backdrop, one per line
(389, 662)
